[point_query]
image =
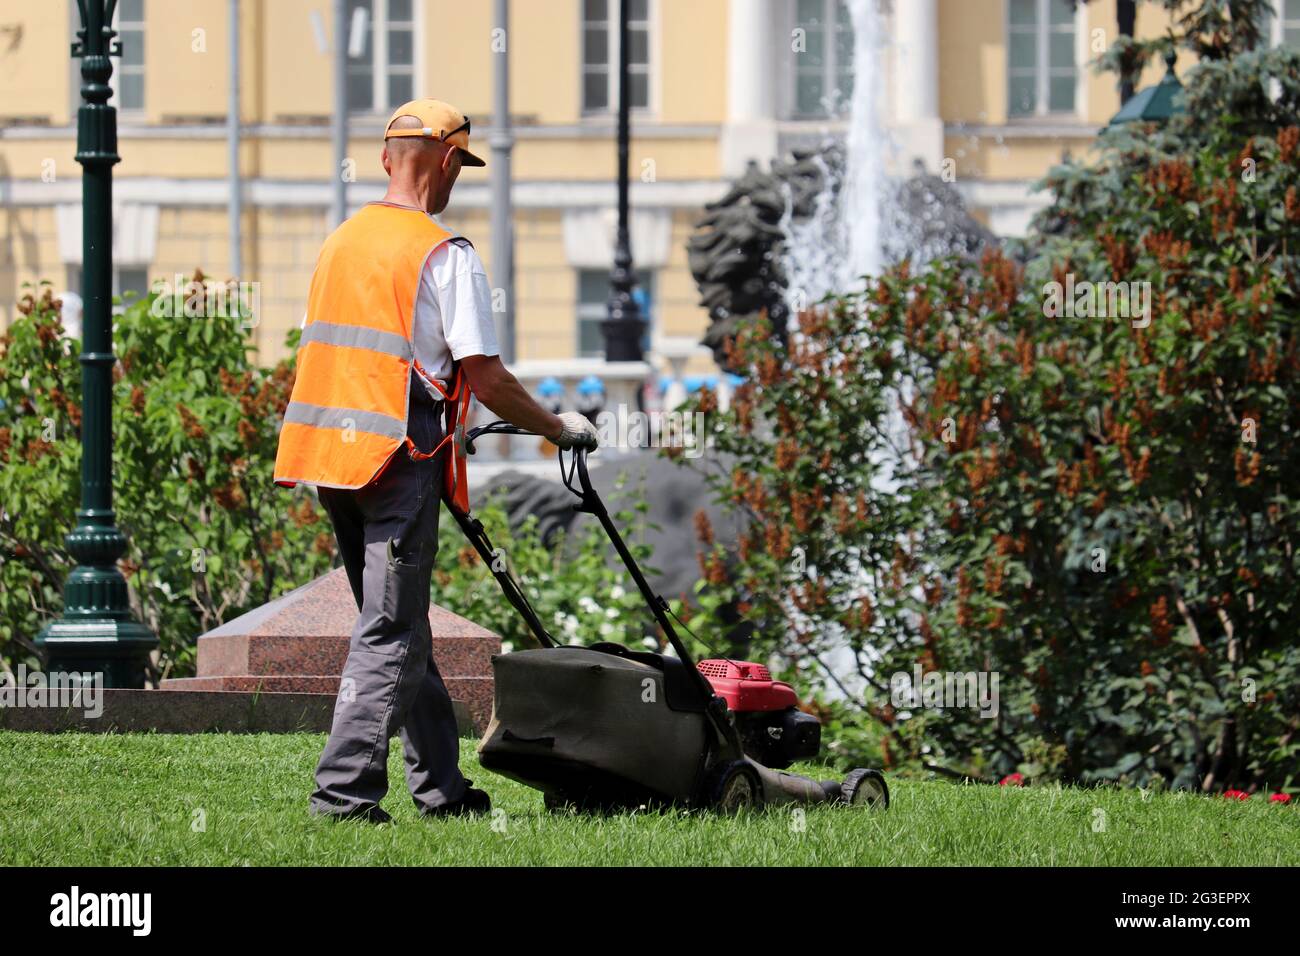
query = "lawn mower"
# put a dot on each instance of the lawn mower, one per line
(606, 728)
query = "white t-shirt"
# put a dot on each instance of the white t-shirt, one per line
(453, 311)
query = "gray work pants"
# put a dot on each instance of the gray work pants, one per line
(388, 537)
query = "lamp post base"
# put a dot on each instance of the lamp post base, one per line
(116, 649)
(623, 339)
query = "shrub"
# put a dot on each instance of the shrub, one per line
(947, 472)
(195, 425)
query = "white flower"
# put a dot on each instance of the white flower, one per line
(606, 629)
(617, 593)
(588, 605)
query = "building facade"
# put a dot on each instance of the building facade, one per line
(1000, 89)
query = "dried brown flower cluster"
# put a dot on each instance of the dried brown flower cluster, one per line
(1172, 178)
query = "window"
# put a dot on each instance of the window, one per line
(129, 93)
(822, 47)
(1283, 30)
(125, 279)
(1041, 69)
(600, 54)
(1291, 23)
(593, 309)
(381, 76)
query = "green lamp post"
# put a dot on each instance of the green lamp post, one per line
(623, 328)
(96, 634)
(1156, 103)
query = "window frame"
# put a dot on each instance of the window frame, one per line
(788, 96)
(379, 67)
(651, 68)
(1279, 22)
(75, 273)
(120, 68)
(585, 312)
(1042, 70)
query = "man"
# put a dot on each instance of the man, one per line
(398, 316)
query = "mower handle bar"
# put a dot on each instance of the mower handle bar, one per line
(590, 503)
(579, 461)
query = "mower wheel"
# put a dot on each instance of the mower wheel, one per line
(556, 803)
(865, 788)
(735, 786)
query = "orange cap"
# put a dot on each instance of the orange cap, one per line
(442, 121)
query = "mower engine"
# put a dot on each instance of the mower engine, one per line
(773, 729)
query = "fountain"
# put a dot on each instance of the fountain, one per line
(839, 239)
(817, 224)
(820, 220)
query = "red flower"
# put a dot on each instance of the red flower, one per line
(1236, 795)
(1012, 780)
(1280, 798)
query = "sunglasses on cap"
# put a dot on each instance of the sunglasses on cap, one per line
(462, 127)
(427, 132)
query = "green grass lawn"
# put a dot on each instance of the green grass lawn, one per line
(101, 799)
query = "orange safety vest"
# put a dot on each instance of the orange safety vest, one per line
(348, 411)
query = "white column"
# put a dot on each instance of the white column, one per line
(753, 62)
(916, 86)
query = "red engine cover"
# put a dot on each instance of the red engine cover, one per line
(747, 686)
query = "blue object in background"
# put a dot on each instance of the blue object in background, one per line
(693, 383)
(664, 382)
(591, 397)
(734, 380)
(550, 394)
(642, 299)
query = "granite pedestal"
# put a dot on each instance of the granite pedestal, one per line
(298, 643)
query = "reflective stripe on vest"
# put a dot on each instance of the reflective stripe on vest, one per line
(348, 411)
(357, 337)
(318, 416)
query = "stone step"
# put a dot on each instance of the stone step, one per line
(474, 693)
(195, 711)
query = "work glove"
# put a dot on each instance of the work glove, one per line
(577, 432)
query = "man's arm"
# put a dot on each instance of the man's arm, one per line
(495, 387)
(469, 331)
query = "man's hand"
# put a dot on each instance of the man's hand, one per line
(577, 432)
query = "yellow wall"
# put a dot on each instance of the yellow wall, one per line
(35, 68)
(1101, 92)
(30, 244)
(185, 60)
(693, 74)
(297, 84)
(547, 46)
(972, 61)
